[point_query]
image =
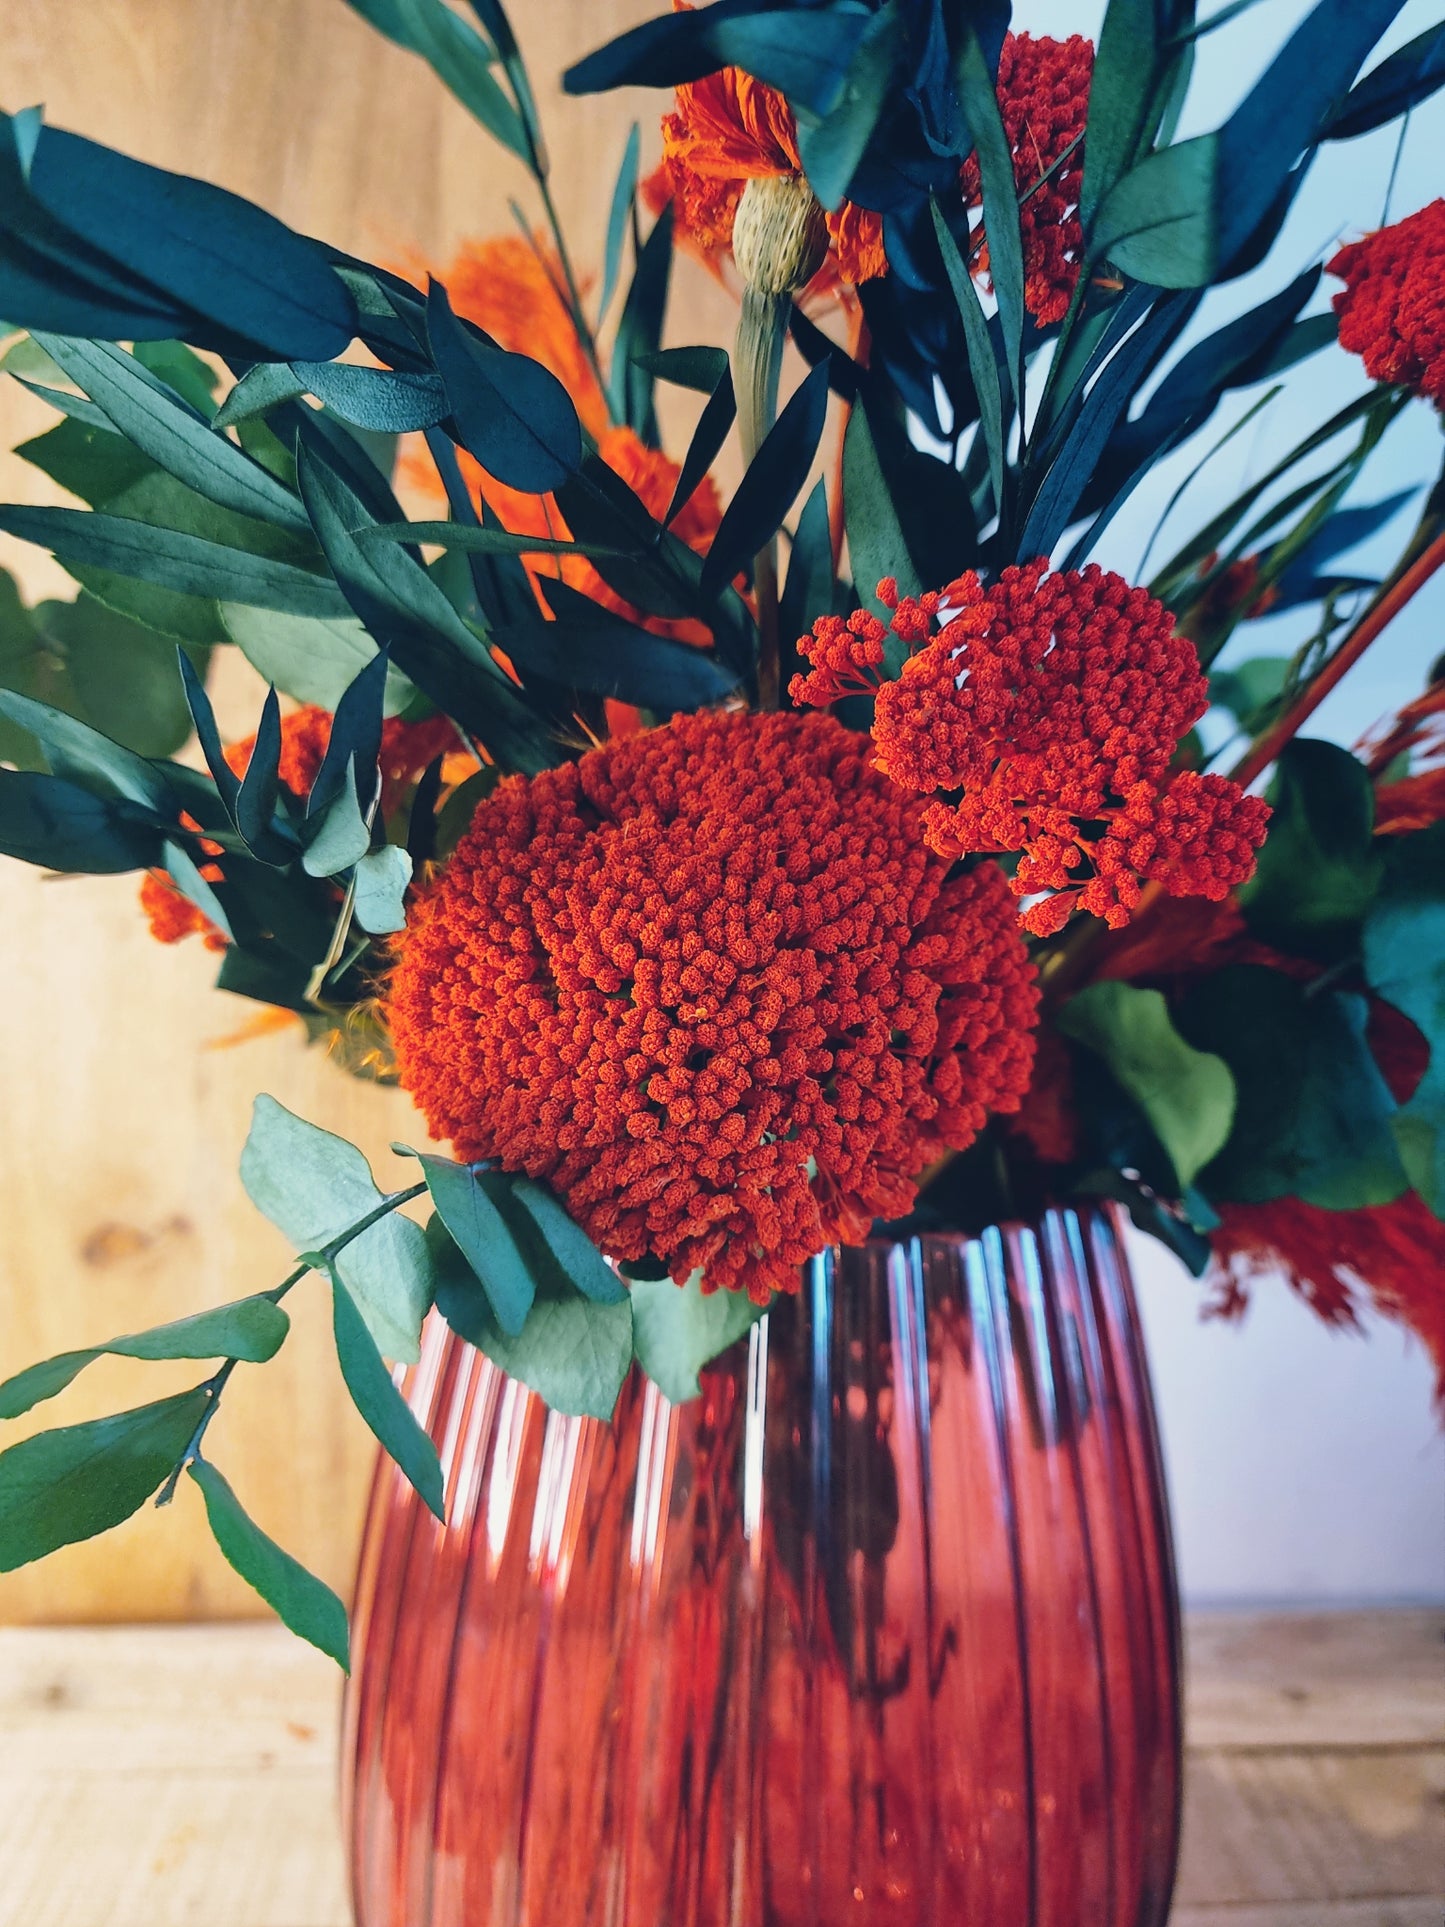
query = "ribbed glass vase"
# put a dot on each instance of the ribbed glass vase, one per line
(881, 1630)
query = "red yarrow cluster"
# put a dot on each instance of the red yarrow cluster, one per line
(1049, 707)
(1043, 97)
(711, 985)
(1392, 307)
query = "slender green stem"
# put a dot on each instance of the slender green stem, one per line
(758, 360)
(574, 293)
(217, 1383)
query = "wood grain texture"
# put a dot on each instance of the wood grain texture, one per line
(157, 1776)
(119, 1199)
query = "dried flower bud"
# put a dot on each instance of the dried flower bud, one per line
(780, 234)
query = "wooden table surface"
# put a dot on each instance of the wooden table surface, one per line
(164, 1776)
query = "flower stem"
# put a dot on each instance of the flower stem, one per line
(757, 359)
(1425, 556)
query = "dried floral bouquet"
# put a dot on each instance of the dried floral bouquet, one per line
(722, 879)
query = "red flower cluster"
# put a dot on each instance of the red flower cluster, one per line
(406, 750)
(1392, 307)
(1395, 1253)
(1043, 96)
(711, 985)
(1054, 703)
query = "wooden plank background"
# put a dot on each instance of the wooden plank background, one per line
(122, 1122)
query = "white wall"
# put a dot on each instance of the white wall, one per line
(1305, 1464)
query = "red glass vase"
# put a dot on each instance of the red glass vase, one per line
(881, 1630)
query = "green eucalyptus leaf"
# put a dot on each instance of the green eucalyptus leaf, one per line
(314, 661)
(471, 1204)
(121, 674)
(76, 751)
(375, 1396)
(1320, 865)
(298, 1598)
(252, 1329)
(382, 879)
(173, 434)
(1159, 223)
(573, 1352)
(312, 1185)
(80, 1480)
(1187, 1095)
(678, 1329)
(1314, 1117)
(343, 835)
(568, 1244)
(188, 564)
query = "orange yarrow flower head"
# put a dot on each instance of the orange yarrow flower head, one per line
(710, 984)
(1392, 307)
(1048, 708)
(1043, 97)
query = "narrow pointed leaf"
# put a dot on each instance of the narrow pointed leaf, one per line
(298, 1598)
(379, 1402)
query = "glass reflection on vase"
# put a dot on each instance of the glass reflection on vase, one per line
(881, 1630)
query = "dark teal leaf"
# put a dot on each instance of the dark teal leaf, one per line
(76, 751)
(619, 219)
(808, 590)
(678, 1329)
(174, 435)
(771, 484)
(379, 1402)
(313, 1185)
(1287, 111)
(511, 413)
(1404, 954)
(390, 401)
(355, 739)
(182, 871)
(804, 54)
(259, 390)
(469, 1202)
(1187, 1095)
(1160, 222)
(252, 1329)
(569, 1244)
(590, 648)
(706, 444)
(462, 61)
(573, 1352)
(639, 330)
(299, 1599)
(59, 826)
(70, 1484)
(1320, 865)
(699, 368)
(1314, 1116)
(186, 563)
(876, 543)
(261, 785)
(216, 254)
(982, 362)
(1000, 200)
(832, 147)
(1133, 65)
(1408, 76)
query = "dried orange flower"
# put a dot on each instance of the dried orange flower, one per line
(1054, 704)
(1043, 97)
(171, 914)
(1392, 307)
(724, 131)
(710, 984)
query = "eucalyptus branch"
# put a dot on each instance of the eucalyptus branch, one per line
(312, 1261)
